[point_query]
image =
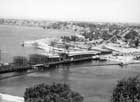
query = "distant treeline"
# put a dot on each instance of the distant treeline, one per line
(46, 24)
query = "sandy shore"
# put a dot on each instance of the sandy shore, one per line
(10, 98)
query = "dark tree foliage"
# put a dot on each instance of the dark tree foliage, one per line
(131, 35)
(66, 38)
(136, 42)
(127, 90)
(20, 60)
(51, 93)
(70, 38)
(88, 35)
(105, 35)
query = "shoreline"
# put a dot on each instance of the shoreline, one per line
(10, 98)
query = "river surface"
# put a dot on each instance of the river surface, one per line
(11, 38)
(95, 83)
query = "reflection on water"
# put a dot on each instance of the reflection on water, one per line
(94, 82)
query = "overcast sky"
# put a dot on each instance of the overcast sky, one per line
(81, 10)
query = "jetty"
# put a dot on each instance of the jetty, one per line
(51, 62)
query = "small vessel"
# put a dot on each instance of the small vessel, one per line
(96, 57)
(123, 63)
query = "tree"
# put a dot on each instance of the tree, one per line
(73, 38)
(132, 34)
(53, 43)
(127, 90)
(20, 60)
(66, 46)
(51, 93)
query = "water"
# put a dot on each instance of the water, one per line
(95, 83)
(11, 38)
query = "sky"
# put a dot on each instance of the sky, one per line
(75, 10)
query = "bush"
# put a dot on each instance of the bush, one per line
(51, 93)
(131, 35)
(127, 90)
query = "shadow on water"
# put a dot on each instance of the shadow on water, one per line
(15, 74)
(65, 68)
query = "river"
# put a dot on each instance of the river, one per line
(95, 83)
(11, 38)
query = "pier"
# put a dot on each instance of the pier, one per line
(22, 68)
(49, 65)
